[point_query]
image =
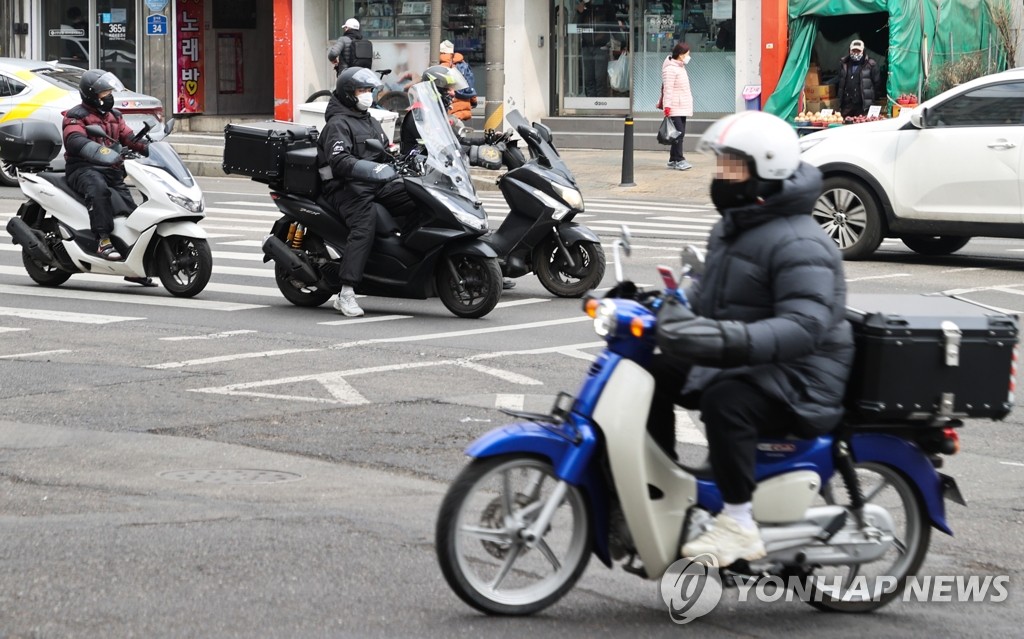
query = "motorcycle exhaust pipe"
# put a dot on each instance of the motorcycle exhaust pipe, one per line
(278, 251)
(32, 243)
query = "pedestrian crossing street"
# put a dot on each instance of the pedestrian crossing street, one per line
(237, 223)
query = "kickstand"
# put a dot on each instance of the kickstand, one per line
(634, 567)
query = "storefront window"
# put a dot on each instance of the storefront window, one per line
(68, 33)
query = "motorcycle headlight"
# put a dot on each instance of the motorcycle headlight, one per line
(468, 219)
(569, 195)
(559, 209)
(605, 319)
(187, 204)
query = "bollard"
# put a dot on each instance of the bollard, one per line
(627, 153)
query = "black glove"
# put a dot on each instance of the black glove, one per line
(708, 342)
(145, 150)
(368, 171)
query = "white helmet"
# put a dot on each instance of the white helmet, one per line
(769, 142)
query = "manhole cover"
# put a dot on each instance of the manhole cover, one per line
(230, 476)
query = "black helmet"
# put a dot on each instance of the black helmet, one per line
(96, 81)
(445, 78)
(351, 79)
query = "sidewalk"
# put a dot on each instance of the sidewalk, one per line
(599, 174)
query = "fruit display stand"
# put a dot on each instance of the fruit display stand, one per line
(905, 101)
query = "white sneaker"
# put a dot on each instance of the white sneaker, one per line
(346, 305)
(682, 165)
(728, 541)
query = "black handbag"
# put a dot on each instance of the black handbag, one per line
(667, 132)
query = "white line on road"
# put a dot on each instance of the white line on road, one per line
(1011, 464)
(263, 204)
(126, 298)
(63, 316)
(509, 401)
(508, 376)
(5, 329)
(472, 331)
(183, 338)
(877, 277)
(252, 243)
(364, 320)
(234, 255)
(36, 354)
(529, 300)
(229, 358)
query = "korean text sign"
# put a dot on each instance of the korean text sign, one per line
(188, 52)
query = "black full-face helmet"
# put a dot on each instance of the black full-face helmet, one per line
(94, 82)
(351, 79)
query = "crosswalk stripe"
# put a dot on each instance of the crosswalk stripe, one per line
(272, 215)
(63, 316)
(127, 298)
(269, 205)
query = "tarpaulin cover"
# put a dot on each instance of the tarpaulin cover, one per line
(922, 33)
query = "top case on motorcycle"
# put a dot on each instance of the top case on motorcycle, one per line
(259, 149)
(29, 144)
(923, 356)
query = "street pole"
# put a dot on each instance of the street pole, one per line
(495, 65)
(435, 32)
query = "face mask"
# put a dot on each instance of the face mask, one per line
(856, 57)
(686, 59)
(363, 101)
(729, 194)
(107, 103)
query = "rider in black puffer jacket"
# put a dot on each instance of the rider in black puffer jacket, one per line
(770, 351)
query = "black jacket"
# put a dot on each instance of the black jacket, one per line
(341, 50)
(771, 267)
(859, 92)
(342, 145)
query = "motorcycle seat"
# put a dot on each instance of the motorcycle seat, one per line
(59, 181)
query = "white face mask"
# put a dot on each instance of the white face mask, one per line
(686, 59)
(364, 100)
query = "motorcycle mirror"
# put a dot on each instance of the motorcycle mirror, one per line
(97, 131)
(169, 126)
(693, 261)
(621, 242)
(544, 131)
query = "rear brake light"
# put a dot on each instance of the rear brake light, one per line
(951, 441)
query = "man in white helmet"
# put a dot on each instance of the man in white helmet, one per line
(766, 350)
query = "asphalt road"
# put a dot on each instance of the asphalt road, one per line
(233, 466)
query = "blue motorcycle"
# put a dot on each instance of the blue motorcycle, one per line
(517, 527)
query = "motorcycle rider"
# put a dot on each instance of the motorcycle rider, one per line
(89, 171)
(355, 177)
(768, 352)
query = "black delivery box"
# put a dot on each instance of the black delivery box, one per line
(920, 357)
(258, 149)
(29, 144)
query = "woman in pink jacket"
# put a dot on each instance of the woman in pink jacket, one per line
(677, 100)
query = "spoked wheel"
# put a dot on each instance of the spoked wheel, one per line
(8, 174)
(935, 244)
(848, 213)
(471, 286)
(565, 280)
(43, 274)
(184, 265)
(859, 587)
(297, 292)
(482, 529)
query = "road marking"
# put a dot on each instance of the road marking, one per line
(472, 331)
(510, 402)
(964, 269)
(63, 316)
(229, 358)
(36, 354)
(365, 320)
(529, 300)
(126, 298)
(4, 329)
(963, 291)
(686, 431)
(230, 255)
(242, 270)
(508, 376)
(252, 243)
(183, 338)
(615, 231)
(876, 277)
(246, 229)
(1011, 464)
(269, 205)
(241, 289)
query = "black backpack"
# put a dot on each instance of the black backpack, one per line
(361, 53)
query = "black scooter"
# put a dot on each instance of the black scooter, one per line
(538, 235)
(442, 255)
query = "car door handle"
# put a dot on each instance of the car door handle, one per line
(1002, 145)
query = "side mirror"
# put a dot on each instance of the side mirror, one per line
(97, 131)
(693, 261)
(375, 145)
(544, 131)
(169, 126)
(622, 242)
(917, 117)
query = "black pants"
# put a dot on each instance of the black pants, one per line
(735, 414)
(354, 205)
(595, 71)
(675, 151)
(105, 193)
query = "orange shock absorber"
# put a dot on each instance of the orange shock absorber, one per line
(291, 232)
(297, 238)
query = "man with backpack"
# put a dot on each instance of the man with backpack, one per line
(351, 49)
(465, 99)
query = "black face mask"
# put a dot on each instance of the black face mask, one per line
(729, 194)
(106, 104)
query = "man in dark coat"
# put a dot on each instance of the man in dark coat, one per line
(770, 351)
(355, 176)
(342, 53)
(860, 81)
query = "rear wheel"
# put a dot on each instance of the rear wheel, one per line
(184, 265)
(848, 213)
(298, 293)
(565, 280)
(8, 174)
(42, 274)
(471, 286)
(935, 244)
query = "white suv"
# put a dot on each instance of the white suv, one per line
(948, 170)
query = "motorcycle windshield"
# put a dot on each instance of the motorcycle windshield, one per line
(540, 147)
(444, 154)
(163, 156)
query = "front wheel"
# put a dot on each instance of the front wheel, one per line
(481, 530)
(184, 265)
(562, 278)
(935, 244)
(469, 285)
(867, 587)
(848, 213)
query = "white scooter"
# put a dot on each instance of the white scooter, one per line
(160, 237)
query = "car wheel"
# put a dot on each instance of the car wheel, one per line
(8, 175)
(848, 212)
(935, 244)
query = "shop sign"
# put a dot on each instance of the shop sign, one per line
(188, 55)
(156, 24)
(156, 6)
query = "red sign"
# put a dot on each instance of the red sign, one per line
(188, 52)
